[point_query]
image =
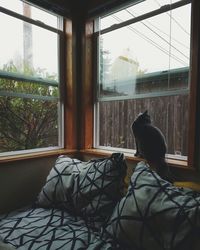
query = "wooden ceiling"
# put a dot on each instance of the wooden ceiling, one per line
(84, 7)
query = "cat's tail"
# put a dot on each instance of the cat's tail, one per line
(164, 171)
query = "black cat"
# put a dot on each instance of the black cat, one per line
(150, 144)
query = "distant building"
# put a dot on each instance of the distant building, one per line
(122, 76)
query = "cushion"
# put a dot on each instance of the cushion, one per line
(85, 188)
(154, 214)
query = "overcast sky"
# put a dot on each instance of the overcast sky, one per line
(158, 43)
(44, 42)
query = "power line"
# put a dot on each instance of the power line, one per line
(152, 42)
(161, 31)
(159, 36)
(174, 20)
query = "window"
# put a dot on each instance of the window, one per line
(31, 107)
(144, 64)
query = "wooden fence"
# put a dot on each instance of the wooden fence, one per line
(168, 113)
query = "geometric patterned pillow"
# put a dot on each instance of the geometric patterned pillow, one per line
(99, 187)
(59, 184)
(90, 189)
(154, 214)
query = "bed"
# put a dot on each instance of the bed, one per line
(71, 209)
(50, 228)
(83, 206)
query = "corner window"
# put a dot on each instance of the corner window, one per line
(144, 64)
(30, 82)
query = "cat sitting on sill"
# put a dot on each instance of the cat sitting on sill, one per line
(150, 144)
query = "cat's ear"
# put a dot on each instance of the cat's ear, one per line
(145, 112)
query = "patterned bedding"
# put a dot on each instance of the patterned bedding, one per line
(82, 206)
(72, 208)
(49, 228)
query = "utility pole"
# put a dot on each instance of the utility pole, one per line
(27, 38)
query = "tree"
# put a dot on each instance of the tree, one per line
(27, 123)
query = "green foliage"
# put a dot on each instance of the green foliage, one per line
(27, 123)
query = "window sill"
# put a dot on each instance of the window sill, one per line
(131, 158)
(34, 155)
(91, 152)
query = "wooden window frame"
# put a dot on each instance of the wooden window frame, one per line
(68, 96)
(88, 90)
(78, 139)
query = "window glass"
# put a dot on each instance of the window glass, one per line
(139, 8)
(30, 11)
(22, 52)
(30, 100)
(168, 113)
(147, 53)
(26, 123)
(146, 69)
(14, 5)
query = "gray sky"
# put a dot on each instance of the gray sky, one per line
(158, 43)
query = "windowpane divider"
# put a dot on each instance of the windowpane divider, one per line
(147, 95)
(28, 96)
(24, 78)
(29, 20)
(163, 9)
